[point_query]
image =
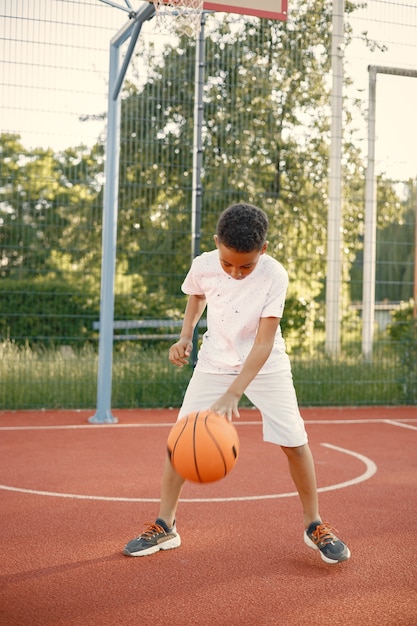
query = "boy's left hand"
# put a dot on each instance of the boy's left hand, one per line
(227, 405)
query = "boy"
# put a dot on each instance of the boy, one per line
(242, 352)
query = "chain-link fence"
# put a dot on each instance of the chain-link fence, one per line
(266, 140)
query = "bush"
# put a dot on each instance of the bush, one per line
(298, 323)
(403, 331)
(55, 310)
(45, 310)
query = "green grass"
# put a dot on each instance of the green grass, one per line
(347, 382)
(46, 378)
(33, 378)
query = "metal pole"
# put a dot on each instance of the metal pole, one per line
(133, 39)
(334, 236)
(197, 190)
(103, 412)
(414, 192)
(369, 245)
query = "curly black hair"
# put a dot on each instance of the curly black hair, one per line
(242, 227)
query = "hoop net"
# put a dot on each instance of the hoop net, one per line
(181, 16)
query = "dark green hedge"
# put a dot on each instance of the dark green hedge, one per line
(45, 310)
(53, 310)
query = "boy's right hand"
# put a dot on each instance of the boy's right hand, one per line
(180, 351)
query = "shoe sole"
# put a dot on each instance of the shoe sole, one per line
(175, 542)
(313, 546)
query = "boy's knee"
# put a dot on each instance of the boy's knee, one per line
(296, 452)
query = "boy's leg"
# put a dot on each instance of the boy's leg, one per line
(318, 535)
(170, 493)
(301, 464)
(275, 397)
(201, 392)
(162, 535)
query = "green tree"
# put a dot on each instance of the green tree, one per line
(49, 216)
(156, 173)
(79, 205)
(394, 245)
(265, 136)
(395, 250)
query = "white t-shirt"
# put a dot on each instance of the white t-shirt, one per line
(234, 308)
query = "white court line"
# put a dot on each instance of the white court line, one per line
(370, 470)
(89, 426)
(236, 422)
(401, 424)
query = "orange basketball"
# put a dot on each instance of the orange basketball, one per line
(203, 447)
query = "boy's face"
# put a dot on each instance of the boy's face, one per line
(238, 264)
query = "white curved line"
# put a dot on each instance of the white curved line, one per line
(76, 496)
(370, 470)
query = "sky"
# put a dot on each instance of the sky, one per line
(46, 88)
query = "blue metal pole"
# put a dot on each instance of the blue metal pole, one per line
(197, 191)
(103, 412)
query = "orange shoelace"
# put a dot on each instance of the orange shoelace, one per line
(323, 534)
(152, 530)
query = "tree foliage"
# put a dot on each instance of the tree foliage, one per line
(265, 140)
(266, 136)
(395, 245)
(49, 207)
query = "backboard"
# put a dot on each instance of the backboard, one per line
(271, 9)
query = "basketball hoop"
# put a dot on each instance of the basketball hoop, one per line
(180, 16)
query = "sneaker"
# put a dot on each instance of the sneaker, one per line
(320, 536)
(156, 537)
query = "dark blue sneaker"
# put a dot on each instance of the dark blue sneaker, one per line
(156, 537)
(320, 536)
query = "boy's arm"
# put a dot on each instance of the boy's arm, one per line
(181, 350)
(261, 349)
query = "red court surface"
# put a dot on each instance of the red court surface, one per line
(72, 494)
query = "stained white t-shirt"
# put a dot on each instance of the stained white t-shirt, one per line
(234, 308)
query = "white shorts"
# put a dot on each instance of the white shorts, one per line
(273, 394)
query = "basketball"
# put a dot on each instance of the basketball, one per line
(203, 447)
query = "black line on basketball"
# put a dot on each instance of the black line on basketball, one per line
(171, 453)
(195, 447)
(207, 426)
